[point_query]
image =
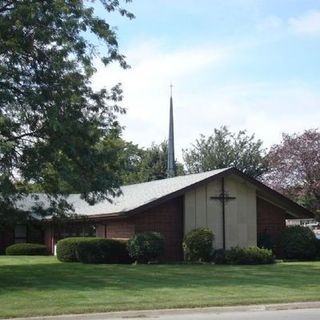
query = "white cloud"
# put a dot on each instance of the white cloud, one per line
(307, 24)
(266, 109)
(146, 85)
(200, 104)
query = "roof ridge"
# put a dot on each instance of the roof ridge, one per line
(178, 177)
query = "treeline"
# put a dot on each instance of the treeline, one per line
(292, 166)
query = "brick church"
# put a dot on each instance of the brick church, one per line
(236, 207)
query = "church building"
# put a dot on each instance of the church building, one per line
(236, 207)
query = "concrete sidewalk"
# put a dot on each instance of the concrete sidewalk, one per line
(179, 312)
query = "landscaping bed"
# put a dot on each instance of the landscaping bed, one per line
(34, 286)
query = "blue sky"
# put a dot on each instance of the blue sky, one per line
(247, 64)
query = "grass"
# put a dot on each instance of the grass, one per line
(34, 286)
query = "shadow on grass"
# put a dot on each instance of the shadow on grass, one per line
(76, 276)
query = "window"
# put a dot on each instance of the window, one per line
(20, 233)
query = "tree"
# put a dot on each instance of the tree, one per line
(142, 165)
(130, 157)
(295, 168)
(226, 149)
(154, 162)
(54, 129)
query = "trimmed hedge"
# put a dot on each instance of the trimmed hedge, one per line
(198, 244)
(92, 250)
(250, 255)
(103, 251)
(298, 242)
(27, 249)
(146, 247)
(67, 248)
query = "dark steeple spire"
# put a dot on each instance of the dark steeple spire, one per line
(171, 166)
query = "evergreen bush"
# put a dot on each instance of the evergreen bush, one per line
(265, 241)
(27, 249)
(298, 242)
(198, 245)
(146, 247)
(219, 256)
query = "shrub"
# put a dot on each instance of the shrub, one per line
(298, 242)
(318, 249)
(250, 255)
(197, 244)
(265, 241)
(146, 247)
(27, 249)
(67, 248)
(219, 256)
(102, 251)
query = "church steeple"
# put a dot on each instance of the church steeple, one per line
(171, 166)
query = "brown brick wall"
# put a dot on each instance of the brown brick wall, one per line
(6, 239)
(120, 229)
(49, 240)
(270, 219)
(101, 230)
(7, 236)
(165, 218)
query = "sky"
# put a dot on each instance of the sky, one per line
(246, 64)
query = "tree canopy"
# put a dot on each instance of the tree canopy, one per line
(295, 168)
(55, 130)
(142, 165)
(226, 149)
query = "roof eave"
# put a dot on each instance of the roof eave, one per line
(288, 203)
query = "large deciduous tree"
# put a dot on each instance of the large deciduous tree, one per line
(55, 131)
(226, 149)
(295, 168)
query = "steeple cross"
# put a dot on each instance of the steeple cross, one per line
(171, 86)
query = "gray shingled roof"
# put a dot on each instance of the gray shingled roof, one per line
(133, 196)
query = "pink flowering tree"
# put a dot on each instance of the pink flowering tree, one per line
(295, 168)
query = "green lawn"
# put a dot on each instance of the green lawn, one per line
(43, 286)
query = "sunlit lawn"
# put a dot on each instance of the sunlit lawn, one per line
(43, 286)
